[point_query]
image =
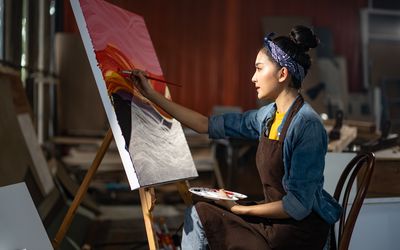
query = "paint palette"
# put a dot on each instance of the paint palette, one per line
(214, 194)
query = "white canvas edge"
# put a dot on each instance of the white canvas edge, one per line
(111, 115)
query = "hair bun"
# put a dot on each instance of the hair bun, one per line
(304, 37)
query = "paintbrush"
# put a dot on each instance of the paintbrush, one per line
(129, 73)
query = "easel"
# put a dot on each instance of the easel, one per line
(147, 198)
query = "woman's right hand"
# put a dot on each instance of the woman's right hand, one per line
(190, 118)
(141, 82)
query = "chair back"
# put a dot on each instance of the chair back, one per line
(347, 221)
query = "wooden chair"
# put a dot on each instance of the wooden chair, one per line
(347, 221)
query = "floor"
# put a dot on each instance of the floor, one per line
(120, 224)
(123, 227)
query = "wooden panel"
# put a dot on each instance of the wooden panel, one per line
(385, 179)
(14, 156)
(21, 158)
(386, 175)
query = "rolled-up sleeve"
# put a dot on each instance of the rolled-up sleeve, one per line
(306, 170)
(216, 129)
(236, 125)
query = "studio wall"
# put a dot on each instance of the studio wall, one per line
(209, 46)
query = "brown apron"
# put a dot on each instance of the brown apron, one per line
(225, 230)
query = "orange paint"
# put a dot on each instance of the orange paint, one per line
(112, 60)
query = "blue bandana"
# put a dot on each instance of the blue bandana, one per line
(283, 59)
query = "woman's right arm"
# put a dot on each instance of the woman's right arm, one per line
(188, 117)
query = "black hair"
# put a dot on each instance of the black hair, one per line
(300, 40)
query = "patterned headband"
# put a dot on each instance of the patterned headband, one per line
(283, 59)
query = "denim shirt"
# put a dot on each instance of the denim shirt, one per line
(304, 150)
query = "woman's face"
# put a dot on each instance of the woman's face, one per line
(266, 77)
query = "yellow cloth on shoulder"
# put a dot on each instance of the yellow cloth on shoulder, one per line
(273, 133)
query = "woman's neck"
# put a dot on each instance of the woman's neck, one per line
(285, 99)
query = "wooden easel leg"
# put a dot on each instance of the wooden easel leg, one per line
(147, 199)
(183, 189)
(82, 190)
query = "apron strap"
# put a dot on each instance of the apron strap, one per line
(293, 111)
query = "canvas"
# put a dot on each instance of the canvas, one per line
(151, 143)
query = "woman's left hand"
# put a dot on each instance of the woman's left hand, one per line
(225, 203)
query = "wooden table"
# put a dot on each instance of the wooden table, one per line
(347, 135)
(385, 179)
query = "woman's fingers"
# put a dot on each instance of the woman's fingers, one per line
(222, 193)
(138, 75)
(139, 79)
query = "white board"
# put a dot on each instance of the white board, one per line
(20, 224)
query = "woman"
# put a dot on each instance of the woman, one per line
(297, 212)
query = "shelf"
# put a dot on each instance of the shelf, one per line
(383, 12)
(384, 37)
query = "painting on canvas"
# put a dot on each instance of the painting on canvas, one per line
(151, 143)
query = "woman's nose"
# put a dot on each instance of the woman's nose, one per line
(254, 79)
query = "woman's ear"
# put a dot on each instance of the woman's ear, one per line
(283, 74)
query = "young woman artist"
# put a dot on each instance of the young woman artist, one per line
(297, 212)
